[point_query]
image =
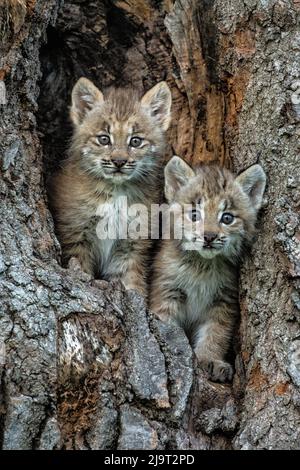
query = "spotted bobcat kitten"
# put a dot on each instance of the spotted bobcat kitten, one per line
(116, 153)
(195, 277)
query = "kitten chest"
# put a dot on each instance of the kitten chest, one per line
(110, 228)
(201, 290)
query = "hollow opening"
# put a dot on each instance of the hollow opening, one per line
(119, 46)
(123, 45)
(96, 40)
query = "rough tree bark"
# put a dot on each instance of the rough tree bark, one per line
(233, 68)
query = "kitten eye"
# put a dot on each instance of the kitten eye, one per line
(135, 142)
(194, 215)
(227, 218)
(103, 139)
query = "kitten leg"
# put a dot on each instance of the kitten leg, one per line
(83, 255)
(167, 311)
(166, 303)
(134, 276)
(129, 265)
(212, 342)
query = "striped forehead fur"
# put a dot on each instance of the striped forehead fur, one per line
(209, 180)
(121, 102)
(213, 179)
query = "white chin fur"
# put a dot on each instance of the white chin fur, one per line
(208, 253)
(116, 177)
(205, 253)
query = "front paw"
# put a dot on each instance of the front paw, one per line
(140, 288)
(76, 267)
(218, 371)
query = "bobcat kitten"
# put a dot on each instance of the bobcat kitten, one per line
(116, 152)
(195, 278)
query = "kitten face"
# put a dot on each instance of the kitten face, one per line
(119, 136)
(221, 209)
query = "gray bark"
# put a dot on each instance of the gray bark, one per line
(82, 364)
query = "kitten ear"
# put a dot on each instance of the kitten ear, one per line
(253, 183)
(177, 174)
(158, 100)
(84, 97)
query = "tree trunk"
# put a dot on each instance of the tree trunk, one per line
(82, 364)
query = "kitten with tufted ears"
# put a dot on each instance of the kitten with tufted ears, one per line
(195, 278)
(117, 151)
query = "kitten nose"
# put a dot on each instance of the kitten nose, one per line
(119, 162)
(209, 237)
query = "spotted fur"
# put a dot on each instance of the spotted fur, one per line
(196, 285)
(92, 176)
